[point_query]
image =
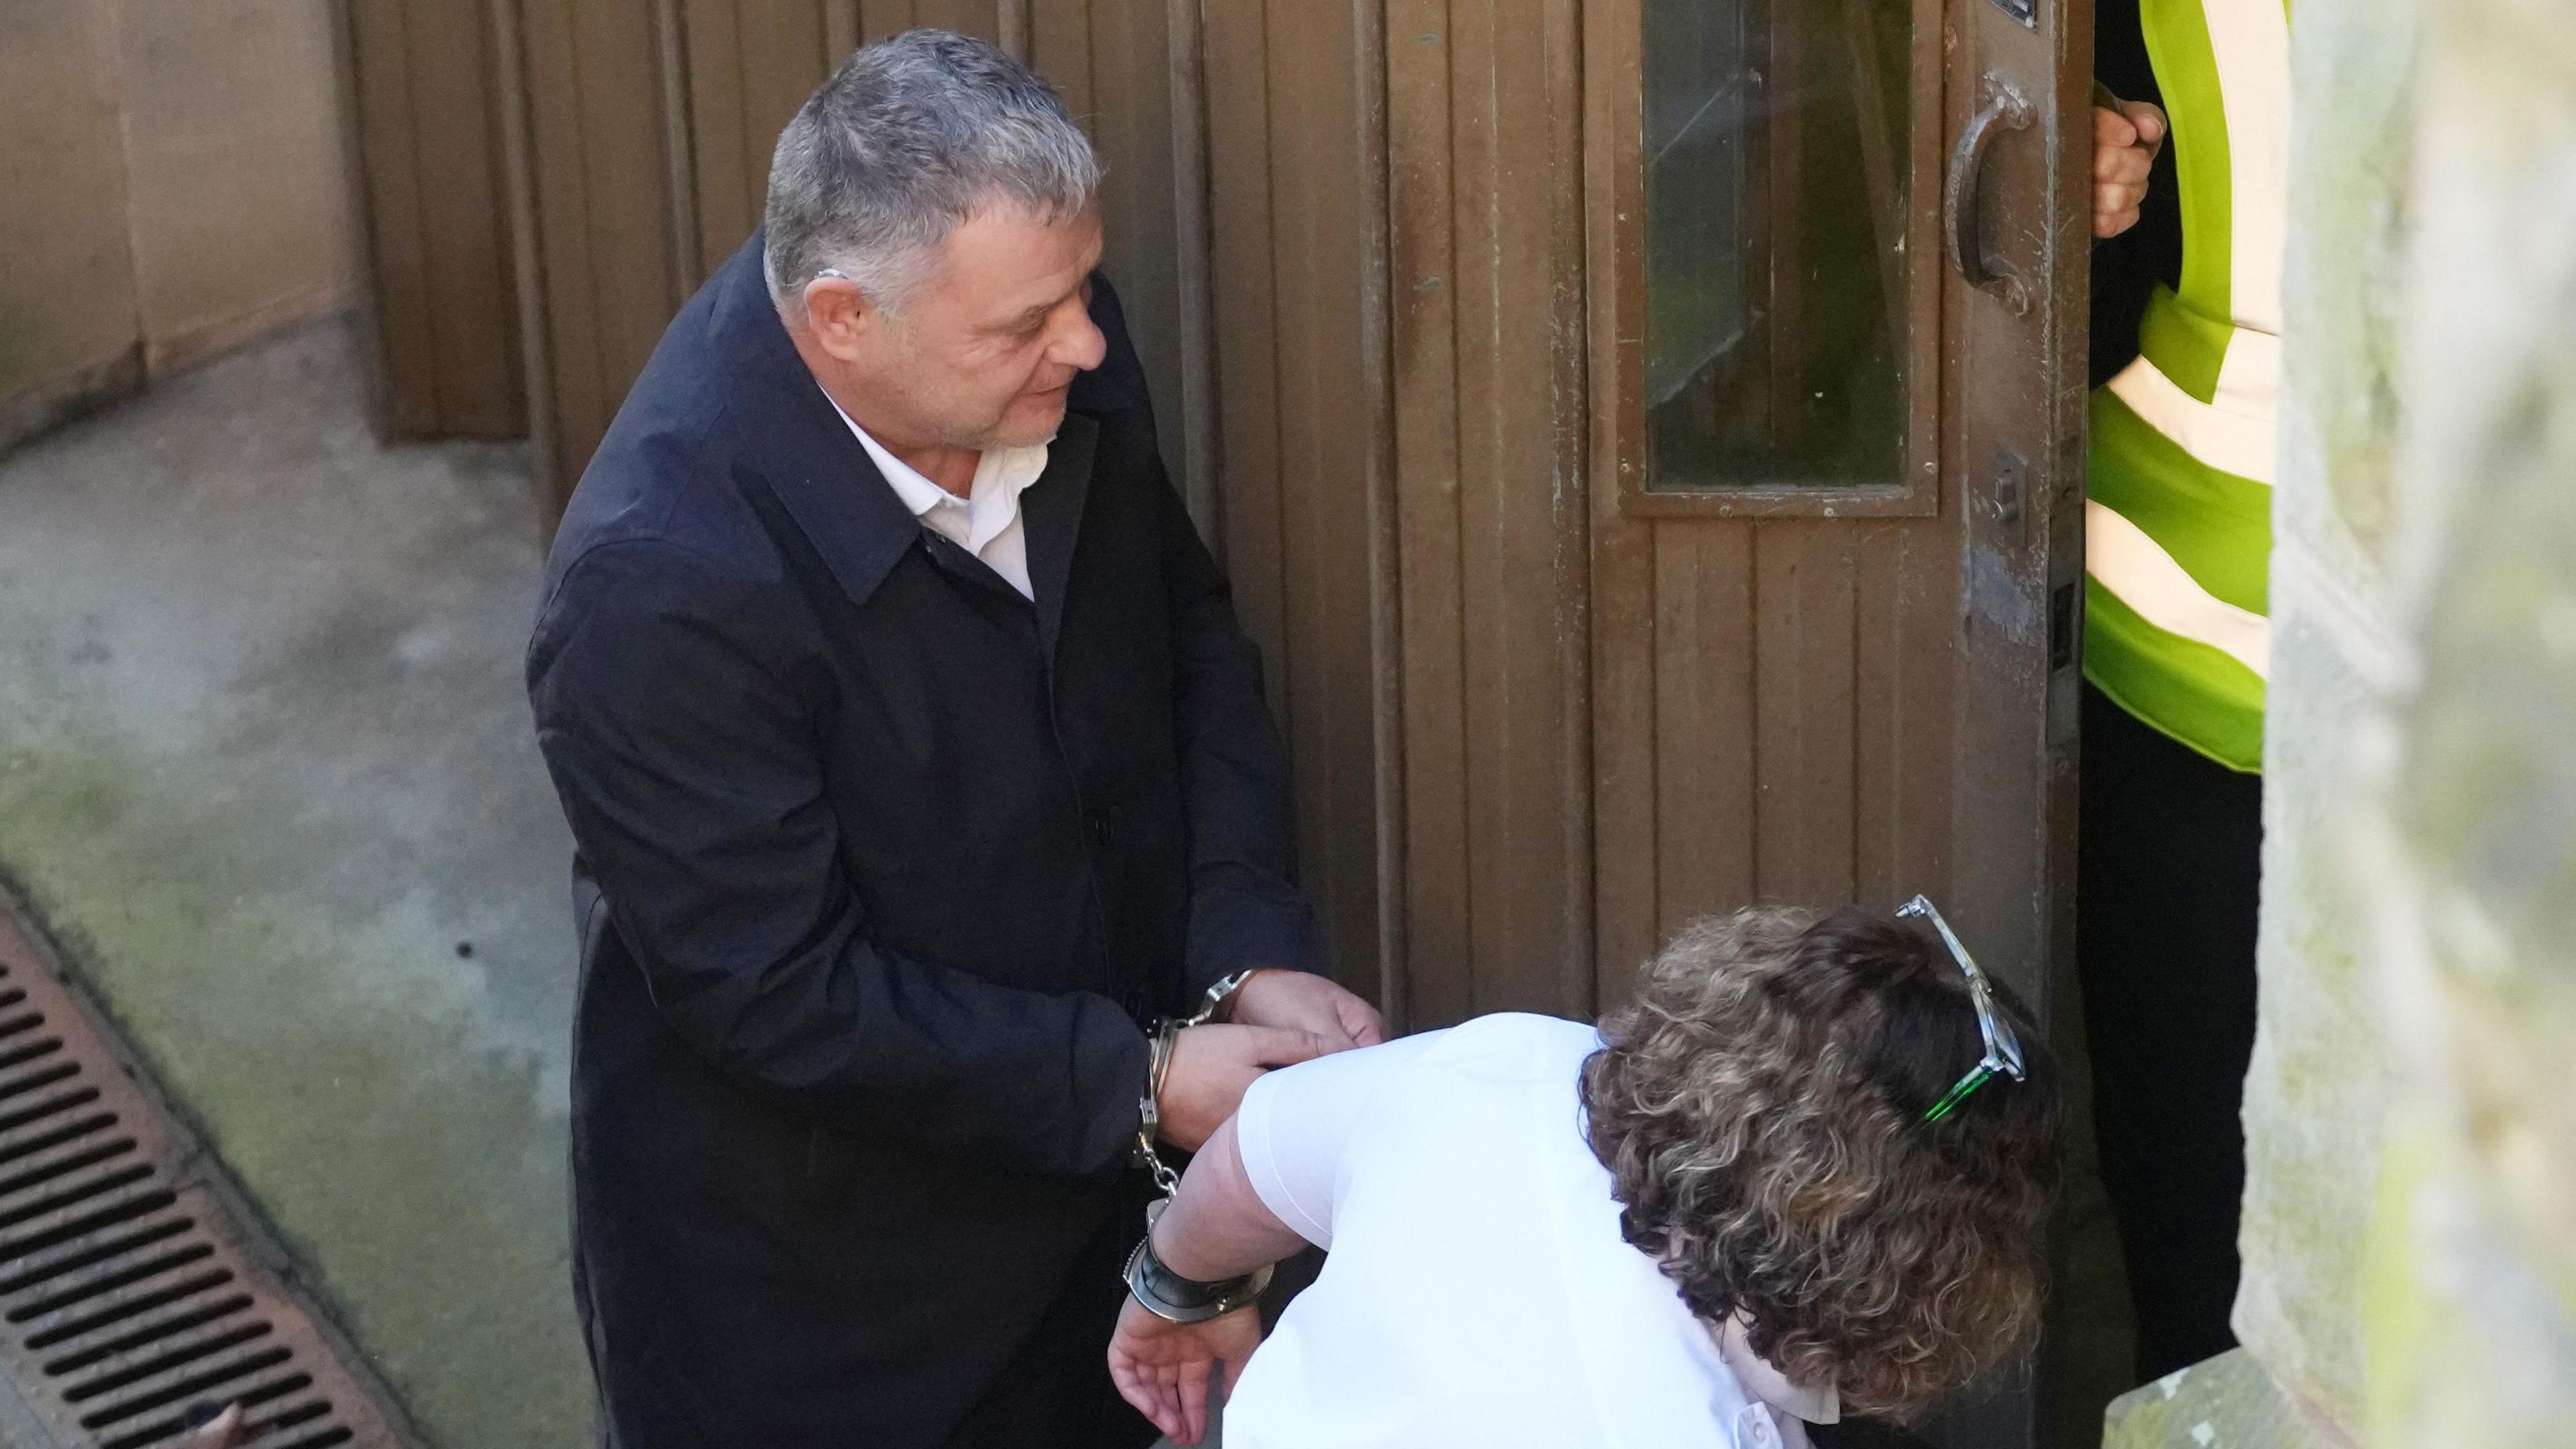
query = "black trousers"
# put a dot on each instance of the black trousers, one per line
(2168, 880)
(1056, 1392)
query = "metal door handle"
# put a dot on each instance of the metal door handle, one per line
(2005, 110)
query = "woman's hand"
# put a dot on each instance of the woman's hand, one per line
(1162, 1367)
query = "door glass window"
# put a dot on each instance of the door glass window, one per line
(1777, 175)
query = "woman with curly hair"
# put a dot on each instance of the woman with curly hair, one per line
(1806, 1171)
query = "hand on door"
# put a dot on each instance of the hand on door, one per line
(2126, 137)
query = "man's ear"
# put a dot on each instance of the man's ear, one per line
(840, 316)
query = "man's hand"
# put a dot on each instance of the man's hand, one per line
(1211, 1065)
(1307, 1002)
(1162, 1367)
(2125, 142)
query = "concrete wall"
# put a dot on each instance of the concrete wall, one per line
(2473, 1303)
(68, 326)
(177, 181)
(2411, 1113)
(2316, 1094)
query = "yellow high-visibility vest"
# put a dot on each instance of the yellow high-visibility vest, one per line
(2178, 521)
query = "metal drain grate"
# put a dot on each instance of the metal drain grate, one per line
(129, 1294)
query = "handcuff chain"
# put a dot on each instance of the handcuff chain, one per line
(1158, 1062)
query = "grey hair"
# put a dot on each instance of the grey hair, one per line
(909, 138)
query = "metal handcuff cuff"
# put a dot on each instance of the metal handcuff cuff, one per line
(1162, 1292)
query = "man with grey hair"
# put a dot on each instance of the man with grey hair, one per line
(917, 769)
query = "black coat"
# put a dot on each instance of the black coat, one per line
(880, 870)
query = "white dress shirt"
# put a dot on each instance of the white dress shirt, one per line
(1479, 1294)
(985, 523)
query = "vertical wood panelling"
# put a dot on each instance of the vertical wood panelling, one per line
(1483, 130)
(1632, 619)
(1904, 692)
(1194, 411)
(980, 18)
(1439, 979)
(601, 182)
(1289, 118)
(719, 132)
(1704, 732)
(679, 149)
(1636, 618)
(389, 149)
(1246, 308)
(1325, 419)
(750, 65)
(1503, 118)
(1130, 120)
(1060, 48)
(569, 396)
(881, 18)
(1568, 975)
(1803, 619)
(630, 208)
(481, 391)
(429, 136)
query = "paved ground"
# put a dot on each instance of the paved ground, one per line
(266, 767)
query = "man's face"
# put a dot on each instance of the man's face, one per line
(982, 352)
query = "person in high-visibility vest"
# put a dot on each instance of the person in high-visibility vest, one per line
(2178, 540)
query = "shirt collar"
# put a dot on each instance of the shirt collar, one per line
(1009, 469)
(917, 492)
(1816, 1404)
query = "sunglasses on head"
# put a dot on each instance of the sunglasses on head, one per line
(2003, 1049)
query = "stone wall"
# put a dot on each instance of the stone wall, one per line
(2411, 1112)
(2471, 858)
(2316, 1093)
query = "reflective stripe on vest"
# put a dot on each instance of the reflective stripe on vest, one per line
(2179, 521)
(2164, 594)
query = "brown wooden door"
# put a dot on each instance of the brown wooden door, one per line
(1836, 261)
(1738, 424)
(1833, 568)
(1735, 524)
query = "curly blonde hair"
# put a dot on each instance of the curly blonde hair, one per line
(1760, 1107)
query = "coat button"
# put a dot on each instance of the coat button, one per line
(1134, 1000)
(1100, 827)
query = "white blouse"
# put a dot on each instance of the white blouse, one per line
(1478, 1292)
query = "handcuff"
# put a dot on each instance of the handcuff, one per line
(1158, 1065)
(1160, 1291)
